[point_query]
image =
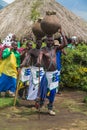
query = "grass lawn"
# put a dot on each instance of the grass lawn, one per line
(5, 101)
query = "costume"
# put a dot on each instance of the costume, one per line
(25, 74)
(50, 81)
(53, 83)
(8, 70)
(24, 81)
(8, 40)
(58, 62)
(34, 81)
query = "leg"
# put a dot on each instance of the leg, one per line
(51, 101)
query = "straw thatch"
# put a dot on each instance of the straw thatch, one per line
(18, 18)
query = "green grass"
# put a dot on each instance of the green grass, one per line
(5, 102)
(85, 99)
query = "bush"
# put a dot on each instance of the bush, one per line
(35, 14)
(74, 68)
(85, 99)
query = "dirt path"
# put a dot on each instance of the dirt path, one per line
(71, 114)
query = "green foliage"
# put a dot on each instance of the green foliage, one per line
(74, 68)
(85, 99)
(5, 102)
(35, 14)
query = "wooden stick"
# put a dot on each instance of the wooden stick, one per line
(39, 95)
(15, 98)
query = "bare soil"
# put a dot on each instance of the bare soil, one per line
(71, 114)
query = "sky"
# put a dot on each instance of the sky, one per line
(79, 7)
(9, 1)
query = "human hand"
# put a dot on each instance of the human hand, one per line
(61, 32)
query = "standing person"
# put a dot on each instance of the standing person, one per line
(58, 62)
(25, 73)
(57, 42)
(11, 63)
(48, 57)
(36, 71)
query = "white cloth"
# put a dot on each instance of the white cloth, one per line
(53, 79)
(34, 82)
(25, 74)
(7, 41)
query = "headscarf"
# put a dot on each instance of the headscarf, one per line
(8, 40)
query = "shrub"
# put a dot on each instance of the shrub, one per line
(74, 68)
(85, 99)
(35, 14)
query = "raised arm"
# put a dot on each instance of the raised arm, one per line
(64, 40)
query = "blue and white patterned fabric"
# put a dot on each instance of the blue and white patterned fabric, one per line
(53, 79)
(34, 82)
(25, 74)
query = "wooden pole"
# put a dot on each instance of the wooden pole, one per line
(39, 95)
(18, 80)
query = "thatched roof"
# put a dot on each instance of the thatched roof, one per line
(18, 17)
